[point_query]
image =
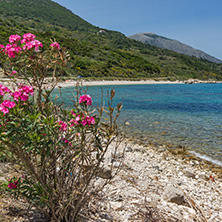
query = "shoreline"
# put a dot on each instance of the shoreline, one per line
(189, 154)
(182, 152)
(69, 83)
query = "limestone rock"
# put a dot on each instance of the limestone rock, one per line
(104, 173)
(128, 149)
(173, 195)
(189, 174)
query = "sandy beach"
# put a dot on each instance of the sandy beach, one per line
(69, 83)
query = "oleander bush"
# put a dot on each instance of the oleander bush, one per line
(59, 152)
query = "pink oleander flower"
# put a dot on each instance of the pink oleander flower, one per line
(12, 185)
(24, 96)
(16, 95)
(83, 120)
(27, 89)
(9, 104)
(85, 99)
(12, 50)
(66, 141)
(28, 37)
(88, 120)
(55, 45)
(74, 122)
(35, 44)
(4, 90)
(63, 126)
(13, 73)
(22, 93)
(4, 109)
(6, 105)
(92, 120)
(73, 113)
(14, 38)
(77, 118)
(2, 48)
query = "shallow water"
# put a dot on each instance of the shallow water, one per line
(178, 114)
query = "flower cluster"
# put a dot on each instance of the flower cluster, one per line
(85, 99)
(55, 45)
(4, 90)
(63, 126)
(28, 37)
(14, 38)
(35, 44)
(2, 47)
(6, 105)
(22, 93)
(82, 119)
(12, 185)
(27, 43)
(12, 50)
(66, 141)
(30, 42)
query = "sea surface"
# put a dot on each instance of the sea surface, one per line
(178, 114)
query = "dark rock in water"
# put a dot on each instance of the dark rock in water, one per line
(173, 194)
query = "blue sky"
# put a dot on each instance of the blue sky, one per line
(197, 23)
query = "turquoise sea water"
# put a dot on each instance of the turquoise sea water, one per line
(177, 114)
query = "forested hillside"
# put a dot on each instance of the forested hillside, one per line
(98, 52)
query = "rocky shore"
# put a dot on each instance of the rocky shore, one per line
(179, 188)
(151, 184)
(194, 81)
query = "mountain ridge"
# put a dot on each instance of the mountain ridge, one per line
(173, 45)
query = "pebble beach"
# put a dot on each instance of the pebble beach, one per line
(182, 188)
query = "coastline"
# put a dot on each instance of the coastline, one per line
(190, 154)
(69, 83)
